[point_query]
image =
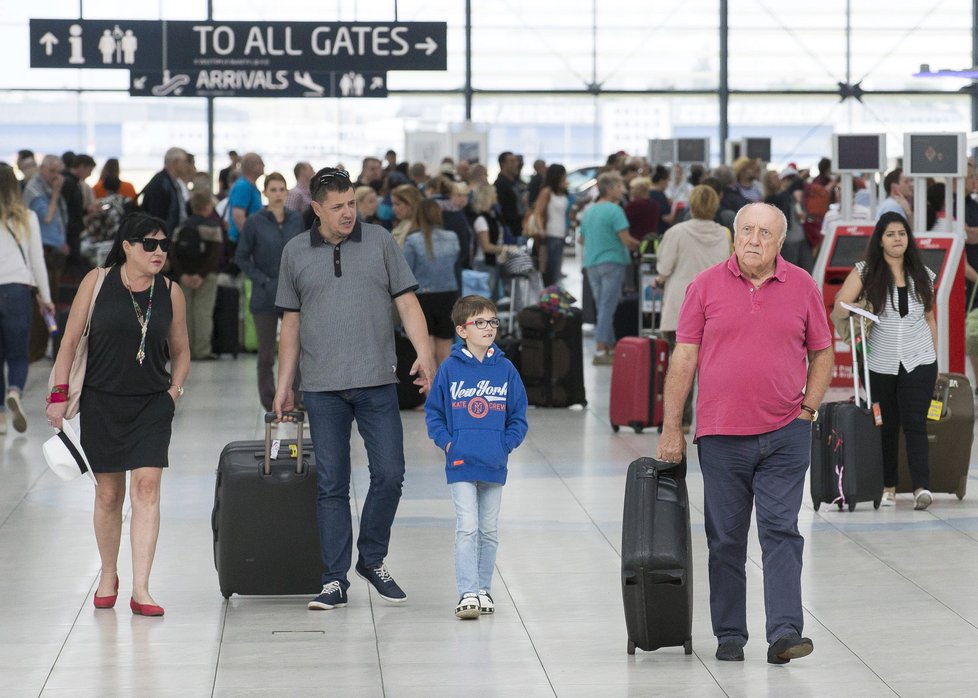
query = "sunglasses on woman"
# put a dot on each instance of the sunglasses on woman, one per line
(150, 244)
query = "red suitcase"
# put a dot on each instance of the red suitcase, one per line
(638, 377)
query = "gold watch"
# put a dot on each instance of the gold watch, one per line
(179, 389)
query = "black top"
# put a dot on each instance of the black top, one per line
(115, 334)
(903, 301)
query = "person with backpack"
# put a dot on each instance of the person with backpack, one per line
(198, 248)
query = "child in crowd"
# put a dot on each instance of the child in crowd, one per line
(476, 413)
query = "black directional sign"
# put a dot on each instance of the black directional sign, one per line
(257, 83)
(187, 46)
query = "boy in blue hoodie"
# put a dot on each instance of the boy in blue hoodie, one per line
(476, 413)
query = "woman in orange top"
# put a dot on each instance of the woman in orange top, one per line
(111, 167)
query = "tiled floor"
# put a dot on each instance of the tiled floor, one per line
(890, 595)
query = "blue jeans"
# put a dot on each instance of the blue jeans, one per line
(765, 472)
(476, 533)
(331, 416)
(606, 281)
(15, 324)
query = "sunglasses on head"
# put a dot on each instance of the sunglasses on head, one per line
(327, 177)
(150, 244)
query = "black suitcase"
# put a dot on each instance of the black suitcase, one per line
(626, 316)
(226, 338)
(552, 357)
(408, 395)
(510, 344)
(266, 538)
(657, 557)
(847, 451)
(949, 438)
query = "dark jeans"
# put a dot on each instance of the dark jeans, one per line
(555, 260)
(16, 302)
(765, 472)
(904, 400)
(55, 263)
(331, 416)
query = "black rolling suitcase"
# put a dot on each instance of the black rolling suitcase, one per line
(657, 557)
(266, 538)
(626, 317)
(847, 450)
(226, 338)
(949, 438)
(552, 357)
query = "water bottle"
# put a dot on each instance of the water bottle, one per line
(50, 321)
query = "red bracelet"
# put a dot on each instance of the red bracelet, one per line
(57, 397)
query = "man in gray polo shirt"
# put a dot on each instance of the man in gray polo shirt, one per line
(338, 286)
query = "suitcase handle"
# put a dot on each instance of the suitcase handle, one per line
(270, 418)
(654, 468)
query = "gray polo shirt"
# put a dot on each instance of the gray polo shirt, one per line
(344, 296)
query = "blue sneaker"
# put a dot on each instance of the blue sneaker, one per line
(332, 596)
(382, 581)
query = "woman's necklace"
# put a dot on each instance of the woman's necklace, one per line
(143, 320)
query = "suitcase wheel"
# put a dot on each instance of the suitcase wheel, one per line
(962, 487)
(614, 428)
(226, 594)
(852, 506)
(638, 428)
(816, 503)
(839, 505)
(688, 647)
(631, 647)
(876, 503)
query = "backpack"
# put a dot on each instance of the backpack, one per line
(104, 224)
(188, 244)
(817, 200)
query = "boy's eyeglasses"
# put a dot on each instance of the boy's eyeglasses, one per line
(150, 244)
(481, 324)
(327, 177)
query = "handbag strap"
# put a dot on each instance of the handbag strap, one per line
(24, 256)
(971, 301)
(102, 273)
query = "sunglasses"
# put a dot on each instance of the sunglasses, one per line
(327, 177)
(481, 324)
(150, 244)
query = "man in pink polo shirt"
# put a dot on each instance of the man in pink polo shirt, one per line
(755, 329)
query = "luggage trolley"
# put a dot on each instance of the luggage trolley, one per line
(650, 297)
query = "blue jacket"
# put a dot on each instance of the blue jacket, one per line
(480, 408)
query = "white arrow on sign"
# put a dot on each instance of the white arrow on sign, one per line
(377, 83)
(429, 46)
(48, 41)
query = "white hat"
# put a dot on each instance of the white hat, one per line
(789, 171)
(64, 454)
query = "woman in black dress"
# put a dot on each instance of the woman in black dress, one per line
(128, 398)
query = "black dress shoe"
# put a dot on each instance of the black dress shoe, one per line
(730, 651)
(789, 647)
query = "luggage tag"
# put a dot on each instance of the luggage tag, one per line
(877, 415)
(293, 451)
(935, 411)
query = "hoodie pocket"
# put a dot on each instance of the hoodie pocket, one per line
(480, 448)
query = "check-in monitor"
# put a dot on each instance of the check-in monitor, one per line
(859, 152)
(847, 251)
(693, 150)
(757, 149)
(661, 151)
(934, 154)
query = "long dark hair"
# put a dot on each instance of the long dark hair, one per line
(877, 277)
(134, 226)
(555, 179)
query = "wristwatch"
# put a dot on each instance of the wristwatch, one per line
(180, 390)
(810, 410)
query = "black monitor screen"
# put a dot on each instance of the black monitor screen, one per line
(933, 260)
(860, 153)
(691, 150)
(934, 154)
(847, 251)
(758, 148)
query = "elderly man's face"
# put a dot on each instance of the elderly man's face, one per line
(759, 237)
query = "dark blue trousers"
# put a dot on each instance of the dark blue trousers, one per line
(766, 473)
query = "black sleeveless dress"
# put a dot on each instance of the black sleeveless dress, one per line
(125, 412)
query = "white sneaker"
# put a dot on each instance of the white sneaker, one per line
(922, 500)
(17, 416)
(486, 606)
(888, 499)
(468, 607)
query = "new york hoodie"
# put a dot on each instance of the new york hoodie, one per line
(480, 408)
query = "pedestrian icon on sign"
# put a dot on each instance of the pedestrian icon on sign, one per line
(352, 84)
(106, 46)
(117, 46)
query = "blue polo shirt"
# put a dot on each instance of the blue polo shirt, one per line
(244, 194)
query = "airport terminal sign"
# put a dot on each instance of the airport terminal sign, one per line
(257, 83)
(189, 47)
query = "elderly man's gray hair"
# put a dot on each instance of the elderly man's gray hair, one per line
(607, 181)
(784, 221)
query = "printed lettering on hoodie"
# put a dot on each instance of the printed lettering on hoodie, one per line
(479, 399)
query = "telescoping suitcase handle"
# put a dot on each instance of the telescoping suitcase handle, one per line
(270, 418)
(855, 362)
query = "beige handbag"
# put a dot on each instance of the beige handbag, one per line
(76, 377)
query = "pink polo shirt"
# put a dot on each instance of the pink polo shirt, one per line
(753, 360)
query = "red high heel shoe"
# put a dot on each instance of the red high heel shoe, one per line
(145, 609)
(108, 601)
